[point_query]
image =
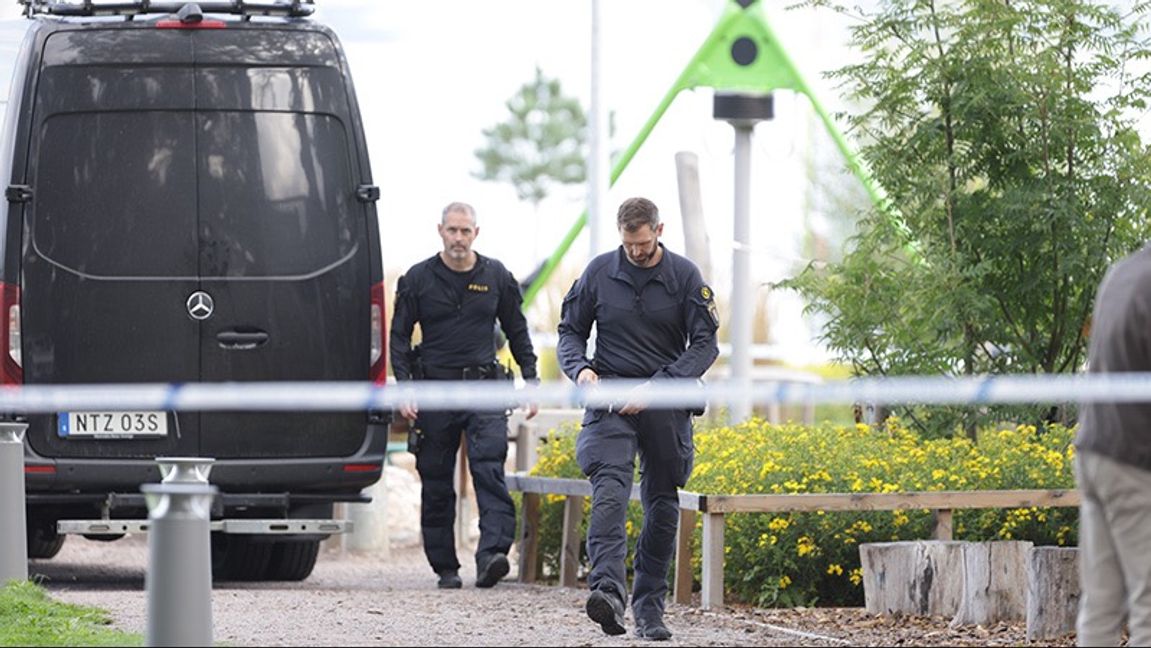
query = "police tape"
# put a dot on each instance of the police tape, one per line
(667, 394)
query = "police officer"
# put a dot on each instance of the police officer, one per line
(655, 318)
(456, 297)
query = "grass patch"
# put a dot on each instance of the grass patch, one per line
(29, 617)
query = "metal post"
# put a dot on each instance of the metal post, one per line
(13, 521)
(599, 162)
(742, 293)
(179, 577)
(743, 112)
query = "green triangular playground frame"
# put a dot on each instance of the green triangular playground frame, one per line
(713, 66)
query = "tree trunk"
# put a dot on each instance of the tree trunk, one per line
(920, 577)
(1052, 592)
(994, 582)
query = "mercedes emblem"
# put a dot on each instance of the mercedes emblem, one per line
(200, 305)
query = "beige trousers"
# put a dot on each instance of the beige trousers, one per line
(1114, 551)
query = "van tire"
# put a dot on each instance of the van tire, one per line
(43, 541)
(240, 558)
(293, 561)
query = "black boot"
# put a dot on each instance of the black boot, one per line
(606, 609)
(652, 630)
(492, 570)
(449, 579)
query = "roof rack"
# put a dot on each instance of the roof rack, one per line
(289, 8)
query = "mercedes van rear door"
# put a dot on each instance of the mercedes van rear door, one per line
(283, 240)
(111, 253)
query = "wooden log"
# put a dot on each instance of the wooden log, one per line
(684, 573)
(920, 577)
(530, 539)
(994, 582)
(1052, 592)
(570, 545)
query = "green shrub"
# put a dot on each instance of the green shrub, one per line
(791, 559)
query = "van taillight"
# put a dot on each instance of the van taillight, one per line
(12, 365)
(379, 371)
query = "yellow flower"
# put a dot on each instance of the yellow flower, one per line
(779, 524)
(805, 546)
(856, 576)
(784, 581)
(834, 569)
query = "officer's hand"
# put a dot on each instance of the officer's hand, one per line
(587, 376)
(637, 400)
(409, 411)
(529, 403)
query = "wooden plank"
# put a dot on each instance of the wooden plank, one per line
(689, 500)
(891, 501)
(569, 548)
(549, 485)
(712, 577)
(530, 539)
(683, 570)
(555, 485)
(941, 524)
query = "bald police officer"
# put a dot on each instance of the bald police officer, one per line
(456, 297)
(655, 318)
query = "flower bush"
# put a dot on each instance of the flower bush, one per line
(792, 559)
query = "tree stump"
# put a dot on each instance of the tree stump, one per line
(1052, 592)
(921, 577)
(994, 582)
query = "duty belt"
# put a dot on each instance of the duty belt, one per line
(478, 372)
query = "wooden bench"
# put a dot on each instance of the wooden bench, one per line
(715, 507)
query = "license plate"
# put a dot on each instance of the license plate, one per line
(112, 425)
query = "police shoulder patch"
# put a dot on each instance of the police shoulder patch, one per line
(709, 299)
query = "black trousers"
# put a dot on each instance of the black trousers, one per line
(487, 451)
(606, 451)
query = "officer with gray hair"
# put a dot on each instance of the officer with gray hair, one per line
(457, 296)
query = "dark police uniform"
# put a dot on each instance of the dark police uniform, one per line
(664, 327)
(457, 312)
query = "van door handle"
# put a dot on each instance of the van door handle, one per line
(241, 339)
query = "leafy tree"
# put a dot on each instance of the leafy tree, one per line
(1004, 134)
(542, 142)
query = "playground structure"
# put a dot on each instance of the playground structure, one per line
(741, 55)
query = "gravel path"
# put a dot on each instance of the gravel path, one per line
(355, 599)
(388, 597)
(359, 600)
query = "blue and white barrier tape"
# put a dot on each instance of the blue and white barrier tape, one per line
(435, 395)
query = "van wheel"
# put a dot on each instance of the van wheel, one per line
(43, 541)
(240, 558)
(293, 561)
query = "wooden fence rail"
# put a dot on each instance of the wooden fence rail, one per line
(715, 507)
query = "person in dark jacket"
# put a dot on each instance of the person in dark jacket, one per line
(456, 297)
(655, 319)
(1113, 466)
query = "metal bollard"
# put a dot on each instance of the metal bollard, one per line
(179, 577)
(13, 520)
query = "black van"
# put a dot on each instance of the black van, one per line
(190, 200)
